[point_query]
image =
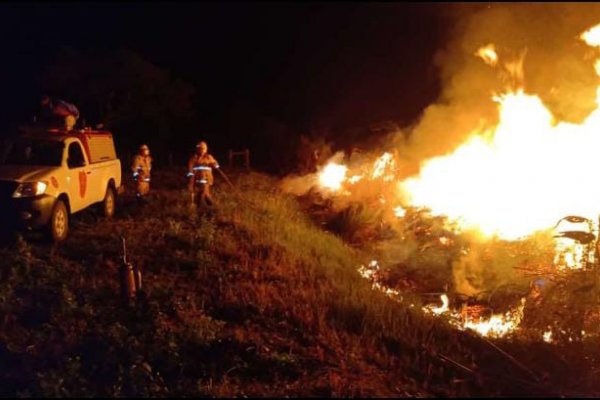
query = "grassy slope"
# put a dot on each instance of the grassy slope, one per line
(252, 300)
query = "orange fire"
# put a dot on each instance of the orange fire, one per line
(508, 181)
(520, 177)
(399, 212)
(488, 54)
(592, 36)
(383, 165)
(332, 176)
(497, 325)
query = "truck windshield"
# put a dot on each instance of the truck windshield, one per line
(32, 152)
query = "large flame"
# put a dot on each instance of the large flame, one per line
(521, 176)
(511, 180)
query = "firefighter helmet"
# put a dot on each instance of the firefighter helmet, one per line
(202, 147)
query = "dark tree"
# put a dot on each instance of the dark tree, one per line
(137, 100)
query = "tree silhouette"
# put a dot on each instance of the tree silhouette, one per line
(137, 100)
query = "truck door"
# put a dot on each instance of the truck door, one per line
(77, 177)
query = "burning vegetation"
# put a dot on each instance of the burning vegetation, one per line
(472, 268)
(496, 225)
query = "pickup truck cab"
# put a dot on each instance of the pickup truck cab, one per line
(47, 175)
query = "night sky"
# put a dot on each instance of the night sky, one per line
(335, 65)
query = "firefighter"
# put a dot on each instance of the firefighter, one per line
(56, 112)
(200, 175)
(70, 122)
(141, 167)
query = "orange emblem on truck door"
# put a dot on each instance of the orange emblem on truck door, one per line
(82, 183)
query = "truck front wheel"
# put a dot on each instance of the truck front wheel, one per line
(58, 227)
(108, 204)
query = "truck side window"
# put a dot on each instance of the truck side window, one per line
(75, 158)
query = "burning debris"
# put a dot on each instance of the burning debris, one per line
(468, 317)
(499, 181)
(372, 273)
(497, 196)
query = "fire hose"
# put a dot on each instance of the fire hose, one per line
(226, 178)
(236, 191)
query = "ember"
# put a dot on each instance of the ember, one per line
(497, 325)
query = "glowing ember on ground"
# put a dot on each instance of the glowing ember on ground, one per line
(498, 325)
(439, 310)
(547, 336)
(371, 272)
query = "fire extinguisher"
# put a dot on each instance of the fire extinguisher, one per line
(130, 277)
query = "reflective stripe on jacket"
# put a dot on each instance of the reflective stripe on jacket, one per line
(141, 167)
(200, 167)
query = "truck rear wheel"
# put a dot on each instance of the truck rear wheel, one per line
(109, 203)
(58, 227)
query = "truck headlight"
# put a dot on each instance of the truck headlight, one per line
(29, 189)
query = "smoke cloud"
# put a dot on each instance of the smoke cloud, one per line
(558, 67)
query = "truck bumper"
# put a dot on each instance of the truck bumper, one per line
(27, 213)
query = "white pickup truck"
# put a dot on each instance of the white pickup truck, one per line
(45, 176)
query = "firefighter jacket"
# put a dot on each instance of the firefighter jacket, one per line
(141, 168)
(200, 168)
